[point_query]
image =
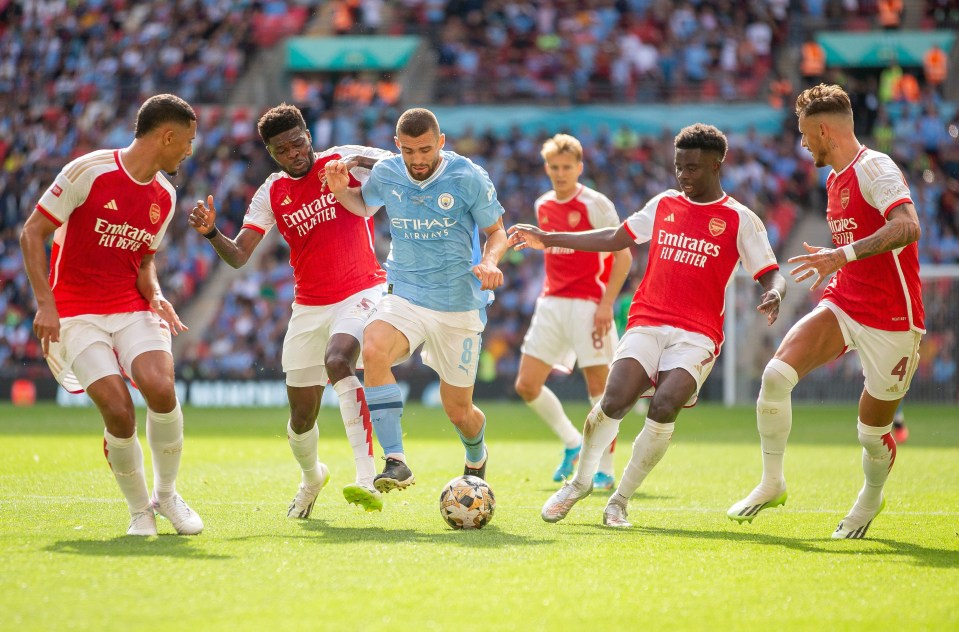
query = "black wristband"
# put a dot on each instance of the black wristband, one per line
(210, 235)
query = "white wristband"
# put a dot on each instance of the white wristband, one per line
(849, 252)
(779, 297)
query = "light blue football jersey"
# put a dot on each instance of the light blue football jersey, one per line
(435, 229)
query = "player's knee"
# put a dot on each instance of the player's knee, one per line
(615, 405)
(301, 421)
(119, 418)
(338, 366)
(527, 390)
(779, 379)
(664, 410)
(375, 354)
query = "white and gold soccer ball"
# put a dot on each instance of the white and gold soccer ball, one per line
(467, 502)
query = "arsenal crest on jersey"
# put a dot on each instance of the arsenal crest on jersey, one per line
(844, 198)
(574, 217)
(716, 226)
(154, 213)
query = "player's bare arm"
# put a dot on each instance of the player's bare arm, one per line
(236, 252)
(603, 320)
(338, 180)
(487, 270)
(148, 284)
(774, 291)
(901, 229)
(600, 240)
(33, 239)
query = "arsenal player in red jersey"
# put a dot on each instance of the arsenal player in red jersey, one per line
(580, 287)
(873, 305)
(697, 237)
(101, 313)
(338, 280)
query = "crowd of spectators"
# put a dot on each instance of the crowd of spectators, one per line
(57, 102)
(72, 75)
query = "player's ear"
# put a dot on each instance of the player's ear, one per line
(396, 141)
(442, 142)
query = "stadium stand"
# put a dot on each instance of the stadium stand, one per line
(61, 95)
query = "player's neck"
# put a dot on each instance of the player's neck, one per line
(139, 162)
(845, 151)
(566, 193)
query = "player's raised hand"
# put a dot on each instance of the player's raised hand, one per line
(46, 326)
(820, 263)
(164, 310)
(337, 176)
(525, 236)
(203, 216)
(489, 275)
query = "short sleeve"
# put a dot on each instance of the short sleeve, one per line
(753, 243)
(639, 225)
(882, 183)
(63, 197)
(259, 215)
(486, 209)
(373, 188)
(601, 211)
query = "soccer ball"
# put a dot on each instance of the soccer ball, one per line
(467, 502)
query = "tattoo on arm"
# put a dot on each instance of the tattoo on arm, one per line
(890, 237)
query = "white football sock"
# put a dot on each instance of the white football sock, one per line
(606, 465)
(304, 447)
(774, 421)
(359, 427)
(550, 410)
(598, 431)
(165, 436)
(878, 456)
(125, 457)
(648, 449)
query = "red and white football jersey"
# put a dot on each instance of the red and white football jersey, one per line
(883, 291)
(106, 223)
(572, 273)
(693, 253)
(331, 249)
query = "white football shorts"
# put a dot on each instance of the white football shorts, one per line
(662, 348)
(312, 326)
(93, 346)
(451, 340)
(561, 334)
(889, 358)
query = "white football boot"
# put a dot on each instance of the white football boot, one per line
(174, 508)
(615, 513)
(143, 523)
(302, 505)
(562, 501)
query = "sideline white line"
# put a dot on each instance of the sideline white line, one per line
(635, 507)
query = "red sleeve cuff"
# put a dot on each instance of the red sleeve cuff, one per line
(629, 230)
(895, 204)
(770, 268)
(255, 228)
(49, 216)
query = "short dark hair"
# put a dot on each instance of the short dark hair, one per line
(160, 109)
(279, 119)
(823, 99)
(416, 122)
(702, 136)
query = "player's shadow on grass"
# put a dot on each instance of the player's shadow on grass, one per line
(921, 555)
(131, 546)
(490, 537)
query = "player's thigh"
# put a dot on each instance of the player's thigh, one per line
(674, 390)
(395, 328)
(349, 318)
(591, 349)
(77, 335)
(452, 348)
(815, 340)
(547, 338)
(628, 380)
(304, 345)
(686, 354)
(889, 361)
(144, 349)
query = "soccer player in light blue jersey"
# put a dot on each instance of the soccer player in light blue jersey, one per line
(439, 281)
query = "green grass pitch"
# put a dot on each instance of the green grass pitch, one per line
(65, 563)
